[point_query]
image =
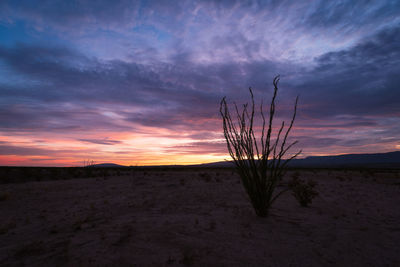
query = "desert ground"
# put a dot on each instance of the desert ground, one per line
(196, 217)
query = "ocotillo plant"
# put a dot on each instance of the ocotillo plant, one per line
(260, 168)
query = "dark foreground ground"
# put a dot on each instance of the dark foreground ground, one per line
(196, 218)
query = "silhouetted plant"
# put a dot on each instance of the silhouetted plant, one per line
(260, 168)
(4, 196)
(205, 176)
(88, 163)
(188, 257)
(303, 191)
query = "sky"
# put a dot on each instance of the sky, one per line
(140, 82)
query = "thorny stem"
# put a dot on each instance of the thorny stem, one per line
(261, 168)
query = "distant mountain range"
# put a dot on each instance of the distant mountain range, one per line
(376, 160)
(383, 160)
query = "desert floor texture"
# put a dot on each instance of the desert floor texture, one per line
(199, 218)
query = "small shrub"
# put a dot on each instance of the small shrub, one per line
(303, 191)
(4, 196)
(105, 173)
(296, 175)
(88, 172)
(88, 163)
(170, 260)
(340, 178)
(205, 176)
(188, 257)
(5, 228)
(30, 249)
(212, 226)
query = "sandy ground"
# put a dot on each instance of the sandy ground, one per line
(199, 218)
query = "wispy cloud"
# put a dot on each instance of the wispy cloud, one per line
(101, 141)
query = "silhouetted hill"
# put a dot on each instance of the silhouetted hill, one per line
(107, 165)
(376, 160)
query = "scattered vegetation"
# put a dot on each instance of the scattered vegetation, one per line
(188, 257)
(205, 176)
(260, 164)
(212, 225)
(170, 260)
(303, 191)
(4, 196)
(7, 227)
(88, 163)
(33, 248)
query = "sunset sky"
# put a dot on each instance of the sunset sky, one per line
(139, 82)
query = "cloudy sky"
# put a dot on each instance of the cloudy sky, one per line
(139, 82)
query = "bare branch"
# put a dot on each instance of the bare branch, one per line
(261, 168)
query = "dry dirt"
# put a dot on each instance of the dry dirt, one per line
(199, 218)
